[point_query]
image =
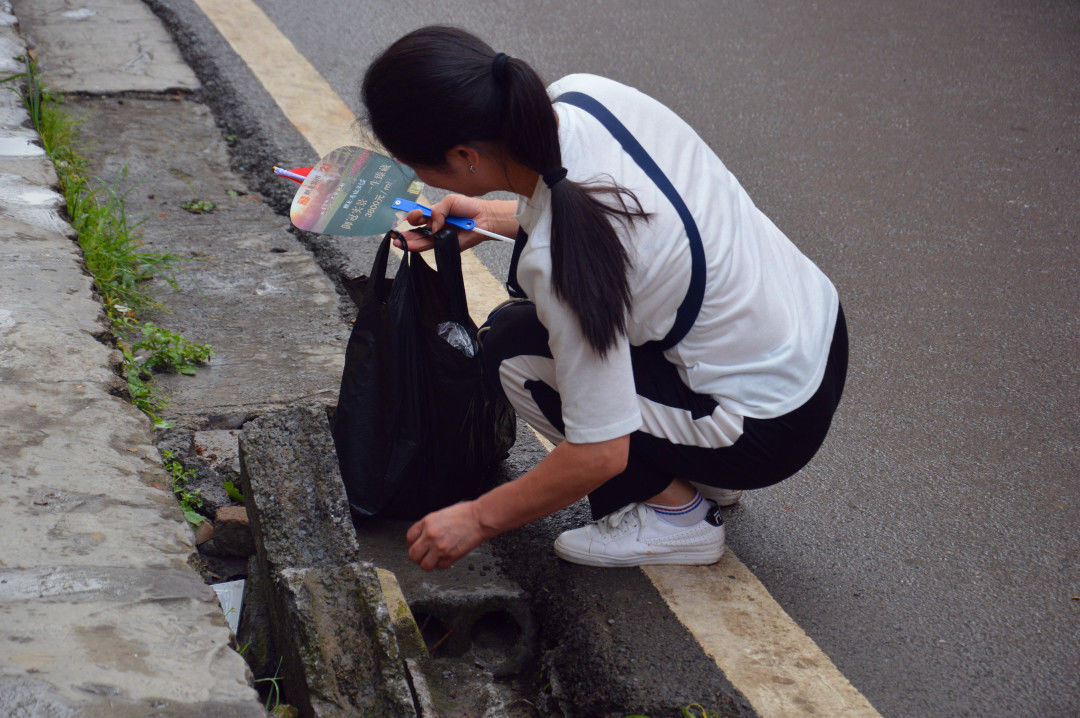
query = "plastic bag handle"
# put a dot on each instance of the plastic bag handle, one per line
(448, 263)
(378, 268)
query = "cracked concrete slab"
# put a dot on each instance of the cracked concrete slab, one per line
(89, 638)
(102, 46)
(246, 285)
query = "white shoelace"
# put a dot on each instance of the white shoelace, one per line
(609, 525)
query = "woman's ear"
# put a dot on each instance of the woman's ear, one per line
(464, 158)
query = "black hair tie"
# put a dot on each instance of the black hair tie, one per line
(498, 66)
(553, 177)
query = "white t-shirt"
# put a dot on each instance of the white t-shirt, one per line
(761, 340)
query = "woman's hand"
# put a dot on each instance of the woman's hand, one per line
(444, 536)
(561, 478)
(493, 215)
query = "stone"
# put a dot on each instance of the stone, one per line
(116, 641)
(286, 711)
(293, 349)
(204, 532)
(292, 485)
(232, 533)
(35, 170)
(342, 644)
(232, 515)
(410, 640)
(327, 617)
(451, 687)
(219, 452)
(208, 480)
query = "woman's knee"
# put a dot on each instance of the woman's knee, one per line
(512, 330)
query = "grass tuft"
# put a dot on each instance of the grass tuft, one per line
(273, 691)
(113, 251)
(190, 500)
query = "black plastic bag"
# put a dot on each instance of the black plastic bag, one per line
(414, 429)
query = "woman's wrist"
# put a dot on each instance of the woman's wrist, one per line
(501, 217)
(484, 519)
(562, 477)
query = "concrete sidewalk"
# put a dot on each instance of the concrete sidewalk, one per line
(99, 612)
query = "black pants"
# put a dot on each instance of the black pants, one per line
(767, 451)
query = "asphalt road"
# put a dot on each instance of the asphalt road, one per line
(926, 156)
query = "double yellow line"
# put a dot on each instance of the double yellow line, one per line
(757, 646)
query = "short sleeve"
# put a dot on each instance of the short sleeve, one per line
(599, 401)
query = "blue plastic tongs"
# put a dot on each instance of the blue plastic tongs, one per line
(407, 205)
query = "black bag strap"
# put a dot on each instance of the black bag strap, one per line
(448, 263)
(378, 267)
(512, 287)
(695, 293)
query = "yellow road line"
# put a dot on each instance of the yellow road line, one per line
(760, 649)
(753, 641)
(313, 107)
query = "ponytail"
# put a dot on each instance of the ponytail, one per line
(472, 94)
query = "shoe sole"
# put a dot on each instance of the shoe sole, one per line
(701, 558)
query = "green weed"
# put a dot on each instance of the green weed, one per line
(273, 697)
(143, 395)
(194, 205)
(113, 250)
(169, 351)
(273, 690)
(190, 500)
(232, 491)
(199, 206)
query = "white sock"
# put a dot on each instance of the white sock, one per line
(686, 515)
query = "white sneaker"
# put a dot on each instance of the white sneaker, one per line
(634, 535)
(720, 497)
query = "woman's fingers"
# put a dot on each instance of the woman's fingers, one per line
(416, 242)
(430, 561)
(424, 549)
(439, 212)
(424, 553)
(454, 204)
(446, 561)
(419, 544)
(414, 532)
(442, 537)
(461, 206)
(457, 205)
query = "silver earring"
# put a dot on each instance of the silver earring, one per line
(472, 169)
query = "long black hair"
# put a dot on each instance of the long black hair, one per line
(439, 87)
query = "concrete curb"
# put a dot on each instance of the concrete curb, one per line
(100, 613)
